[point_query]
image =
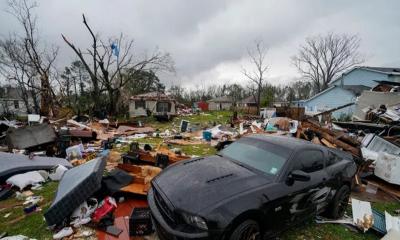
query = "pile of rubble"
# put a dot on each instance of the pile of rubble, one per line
(104, 172)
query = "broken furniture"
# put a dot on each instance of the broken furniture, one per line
(116, 180)
(155, 158)
(77, 185)
(142, 176)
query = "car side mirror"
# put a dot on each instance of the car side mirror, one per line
(298, 175)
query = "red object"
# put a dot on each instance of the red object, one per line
(124, 209)
(106, 206)
(203, 105)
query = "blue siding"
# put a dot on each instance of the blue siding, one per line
(332, 98)
(337, 96)
(361, 77)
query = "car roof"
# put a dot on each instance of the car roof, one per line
(284, 141)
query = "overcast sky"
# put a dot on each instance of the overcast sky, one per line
(208, 38)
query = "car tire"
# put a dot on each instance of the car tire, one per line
(247, 230)
(340, 202)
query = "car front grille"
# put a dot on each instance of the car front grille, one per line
(165, 210)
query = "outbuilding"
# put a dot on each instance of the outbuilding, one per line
(220, 103)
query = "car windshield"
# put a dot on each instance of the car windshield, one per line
(263, 156)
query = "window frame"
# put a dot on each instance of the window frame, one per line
(141, 105)
(16, 104)
(169, 106)
(294, 160)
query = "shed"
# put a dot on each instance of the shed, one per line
(220, 103)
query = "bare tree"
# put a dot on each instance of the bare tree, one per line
(322, 58)
(25, 58)
(17, 69)
(260, 68)
(110, 72)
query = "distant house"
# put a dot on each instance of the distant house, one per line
(220, 103)
(346, 88)
(152, 103)
(11, 101)
(248, 102)
(283, 104)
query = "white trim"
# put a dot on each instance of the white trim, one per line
(364, 68)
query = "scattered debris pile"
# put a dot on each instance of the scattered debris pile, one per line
(104, 168)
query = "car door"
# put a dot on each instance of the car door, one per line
(314, 196)
(335, 167)
(301, 199)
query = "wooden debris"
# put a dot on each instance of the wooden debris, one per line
(331, 137)
(327, 143)
(142, 178)
(316, 140)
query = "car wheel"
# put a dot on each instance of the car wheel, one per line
(247, 230)
(340, 202)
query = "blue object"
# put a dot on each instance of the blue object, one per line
(207, 135)
(379, 222)
(115, 49)
(104, 153)
(271, 127)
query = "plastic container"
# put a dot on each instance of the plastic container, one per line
(207, 135)
(140, 222)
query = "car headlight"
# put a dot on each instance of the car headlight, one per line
(195, 221)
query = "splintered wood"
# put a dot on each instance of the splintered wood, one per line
(327, 137)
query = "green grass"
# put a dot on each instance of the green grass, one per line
(201, 121)
(32, 225)
(312, 230)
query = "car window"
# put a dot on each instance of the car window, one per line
(332, 158)
(265, 157)
(309, 161)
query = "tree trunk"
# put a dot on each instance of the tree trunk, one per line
(46, 101)
(258, 99)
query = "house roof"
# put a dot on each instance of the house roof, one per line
(249, 99)
(223, 99)
(152, 96)
(384, 70)
(391, 83)
(388, 70)
(318, 94)
(356, 89)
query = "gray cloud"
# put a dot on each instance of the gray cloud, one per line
(208, 38)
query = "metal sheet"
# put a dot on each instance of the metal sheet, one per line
(11, 163)
(378, 144)
(30, 136)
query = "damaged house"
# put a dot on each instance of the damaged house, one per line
(346, 88)
(153, 103)
(12, 102)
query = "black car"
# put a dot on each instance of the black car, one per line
(257, 186)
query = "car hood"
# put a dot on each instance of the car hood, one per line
(195, 184)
